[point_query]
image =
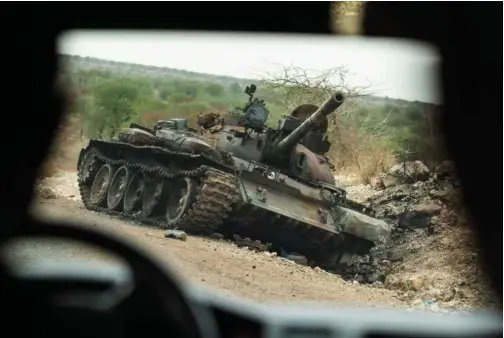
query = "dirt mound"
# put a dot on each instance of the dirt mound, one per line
(432, 255)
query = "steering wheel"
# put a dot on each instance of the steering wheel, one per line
(147, 302)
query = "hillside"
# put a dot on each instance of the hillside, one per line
(369, 133)
(132, 69)
(373, 100)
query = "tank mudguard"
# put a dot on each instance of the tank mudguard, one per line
(289, 198)
(304, 203)
(363, 226)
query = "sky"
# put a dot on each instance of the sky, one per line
(394, 68)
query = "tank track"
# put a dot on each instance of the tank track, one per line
(215, 195)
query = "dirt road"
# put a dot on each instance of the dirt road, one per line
(219, 264)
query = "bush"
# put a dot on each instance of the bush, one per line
(359, 152)
(215, 89)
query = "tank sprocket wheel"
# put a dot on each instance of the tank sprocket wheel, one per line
(132, 202)
(117, 188)
(181, 197)
(101, 183)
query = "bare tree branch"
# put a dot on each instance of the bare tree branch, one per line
(355, 142)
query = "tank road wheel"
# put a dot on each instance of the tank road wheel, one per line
(118, 188)
(181, 197)
(134, 192)
(155, 191)
(100, 186)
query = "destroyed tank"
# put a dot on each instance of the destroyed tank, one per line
(238, 178)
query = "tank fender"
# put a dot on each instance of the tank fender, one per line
(315, 169)
(291, 203)
(363, 226)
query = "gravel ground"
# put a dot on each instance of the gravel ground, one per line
(237, 271)
(219, 264)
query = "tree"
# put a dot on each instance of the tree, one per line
(83, 106)
(181, 98)
(114, 104)
(294, 86)
(190, 89)
(214, 89)
(235, 88)
(164, 94)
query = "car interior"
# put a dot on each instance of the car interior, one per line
(147, 299)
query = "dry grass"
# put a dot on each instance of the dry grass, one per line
(359, 153)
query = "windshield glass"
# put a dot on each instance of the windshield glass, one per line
(273, 167)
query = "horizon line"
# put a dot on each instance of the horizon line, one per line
(219, 75)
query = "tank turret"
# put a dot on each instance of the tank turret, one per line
(296, 135)
(298, 146)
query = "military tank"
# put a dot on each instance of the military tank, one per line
(234, 176)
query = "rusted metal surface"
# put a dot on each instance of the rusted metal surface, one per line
(318, 168)
(300, 208)
(363, 226)
(303, 111)
(312, 121)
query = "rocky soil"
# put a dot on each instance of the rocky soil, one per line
(232, 270)
(432, 256)
(430, 262)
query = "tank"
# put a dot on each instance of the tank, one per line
(237, 177)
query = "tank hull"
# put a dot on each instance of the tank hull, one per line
(236, 197)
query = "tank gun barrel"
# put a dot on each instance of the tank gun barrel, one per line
(327, 108)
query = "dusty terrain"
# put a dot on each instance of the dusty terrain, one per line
(220, 264)
(431, 272)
